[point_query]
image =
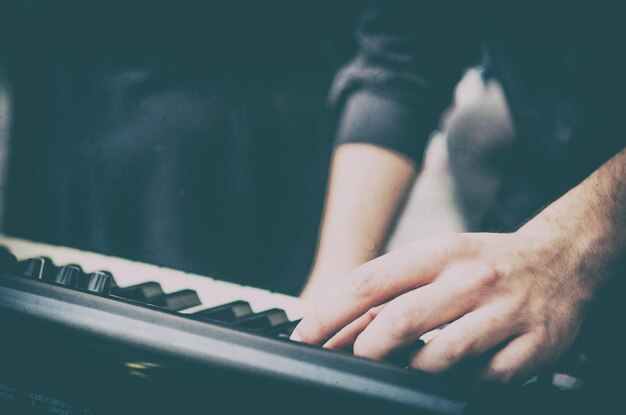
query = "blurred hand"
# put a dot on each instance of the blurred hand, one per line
(517, 299)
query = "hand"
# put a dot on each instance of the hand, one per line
(323, 278)
(516, 298)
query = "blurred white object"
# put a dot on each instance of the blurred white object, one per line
(431, 207)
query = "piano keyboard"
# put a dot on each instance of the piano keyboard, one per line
(138, 322)
(211, 292)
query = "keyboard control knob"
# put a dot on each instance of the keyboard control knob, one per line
(100, 283)
(49, 269)
(68, 276)
(33, 268)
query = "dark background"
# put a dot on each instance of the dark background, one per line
(193, 135)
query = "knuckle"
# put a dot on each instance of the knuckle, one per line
(364, 280)
(360, 349)
(501, 372)
(459, 350)
(520, 300)
(545, 336)
(451, 243)
(519, 309)
(370, 315)
(486, 276)
(401, 323)
(460, 242)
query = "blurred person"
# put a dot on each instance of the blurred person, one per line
(553, 244)
(192, 135)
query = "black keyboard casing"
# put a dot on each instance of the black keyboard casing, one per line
(66, 350)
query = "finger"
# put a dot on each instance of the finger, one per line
(406, 318)
(346, 336)
(473, 334)
(517, 361)
(374, 283)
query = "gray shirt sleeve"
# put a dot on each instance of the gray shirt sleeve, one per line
(408, 60)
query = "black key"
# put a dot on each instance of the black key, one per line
(68, 276)
(177, 301)
(263, 320)
(99, 282)
(227, 313)
(144, 292)
(282, 331)
(40, 267)
(32, 268)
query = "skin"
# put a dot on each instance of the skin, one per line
(355, 224)
(517, 300)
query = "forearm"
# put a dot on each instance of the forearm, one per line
(390, 95)
(366, 188)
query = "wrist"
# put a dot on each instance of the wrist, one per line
(566, 252)
(588, 223)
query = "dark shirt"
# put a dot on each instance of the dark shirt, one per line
(193, 135)
(561, 66)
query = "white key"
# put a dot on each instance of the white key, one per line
(212, 292)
